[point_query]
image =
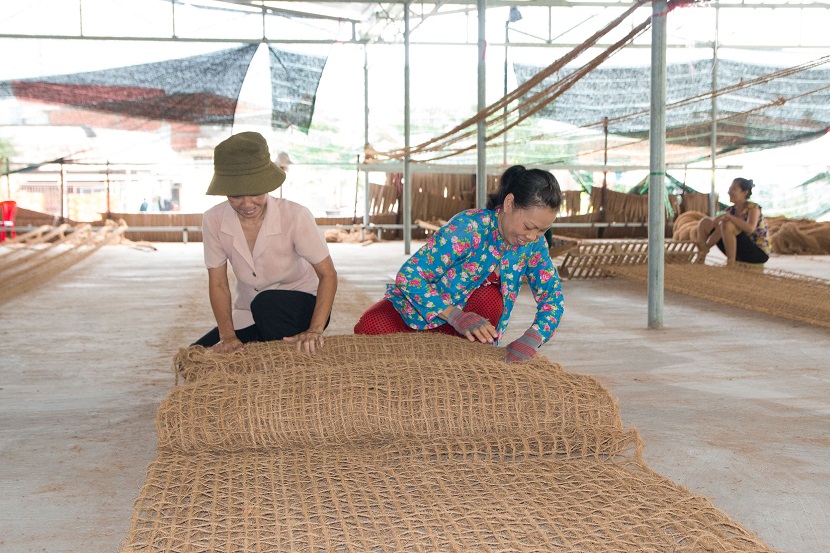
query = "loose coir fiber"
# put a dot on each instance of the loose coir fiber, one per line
(411, 442)
(779, 293)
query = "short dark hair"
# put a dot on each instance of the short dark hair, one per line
(530, 188)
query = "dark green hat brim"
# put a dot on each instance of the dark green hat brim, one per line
(262, 181)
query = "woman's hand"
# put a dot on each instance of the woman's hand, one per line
(308, 342)
(485, 334)
(524, 348)
(472, 325)
(228, 345)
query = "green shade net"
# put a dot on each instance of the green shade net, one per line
(294, 81)
(784, 110)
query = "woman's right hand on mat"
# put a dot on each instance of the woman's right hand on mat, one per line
(308, 342)
(473, 326)
(229, 345)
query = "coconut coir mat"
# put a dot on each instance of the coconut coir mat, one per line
(774, 292)
(410, 442)
(194, 362)
(375, 403)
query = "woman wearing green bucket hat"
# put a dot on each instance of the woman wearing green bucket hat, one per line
(285, 278)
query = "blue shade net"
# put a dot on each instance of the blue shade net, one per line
(202, 89)
(784, 110)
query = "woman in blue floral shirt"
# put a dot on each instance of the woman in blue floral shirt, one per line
(466, 278)
(741, 232)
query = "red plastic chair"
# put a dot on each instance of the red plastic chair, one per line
(9, 210)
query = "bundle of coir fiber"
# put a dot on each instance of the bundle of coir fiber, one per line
(571, 201)
(685, 226)
(349, 235)
(410, 442)
(799, 236)
(695, 201)
(619, 206)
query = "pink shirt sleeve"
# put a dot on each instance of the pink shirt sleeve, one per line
(215, 256)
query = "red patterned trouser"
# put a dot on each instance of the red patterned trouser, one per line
(383, 318)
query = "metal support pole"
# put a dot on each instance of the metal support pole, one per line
(366, 188)
(604, 190)
(515, 15)
(407, 183)
(8, 177)
(63, 191)
(173, 17)
(504, 113)
(109, 209)
(481, 134)
(714, 138)
(605, 154)
(657, 165)
(356, 187)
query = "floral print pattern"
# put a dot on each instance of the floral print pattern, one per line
(459, 257)
(761, 235)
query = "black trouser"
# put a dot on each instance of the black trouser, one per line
(277, 314)
(746, 250)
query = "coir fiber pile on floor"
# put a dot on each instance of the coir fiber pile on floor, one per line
(409, 442)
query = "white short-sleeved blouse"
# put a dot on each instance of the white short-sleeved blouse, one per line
(289, 242)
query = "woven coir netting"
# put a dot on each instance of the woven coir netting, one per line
(344, 501)
(194, 363)
(774, 292)
(410, 442)
(391, 401)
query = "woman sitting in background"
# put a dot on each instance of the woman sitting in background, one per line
(741, 232)
(464, 281)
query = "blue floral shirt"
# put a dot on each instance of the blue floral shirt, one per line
(459, 257)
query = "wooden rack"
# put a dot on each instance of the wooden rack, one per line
(592, 258)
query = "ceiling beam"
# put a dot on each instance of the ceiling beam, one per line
(260, 40)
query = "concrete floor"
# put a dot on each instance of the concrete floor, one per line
(731, 404)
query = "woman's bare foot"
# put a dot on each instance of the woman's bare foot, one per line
(701, 255)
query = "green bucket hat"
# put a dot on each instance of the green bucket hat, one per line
(242, 166)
